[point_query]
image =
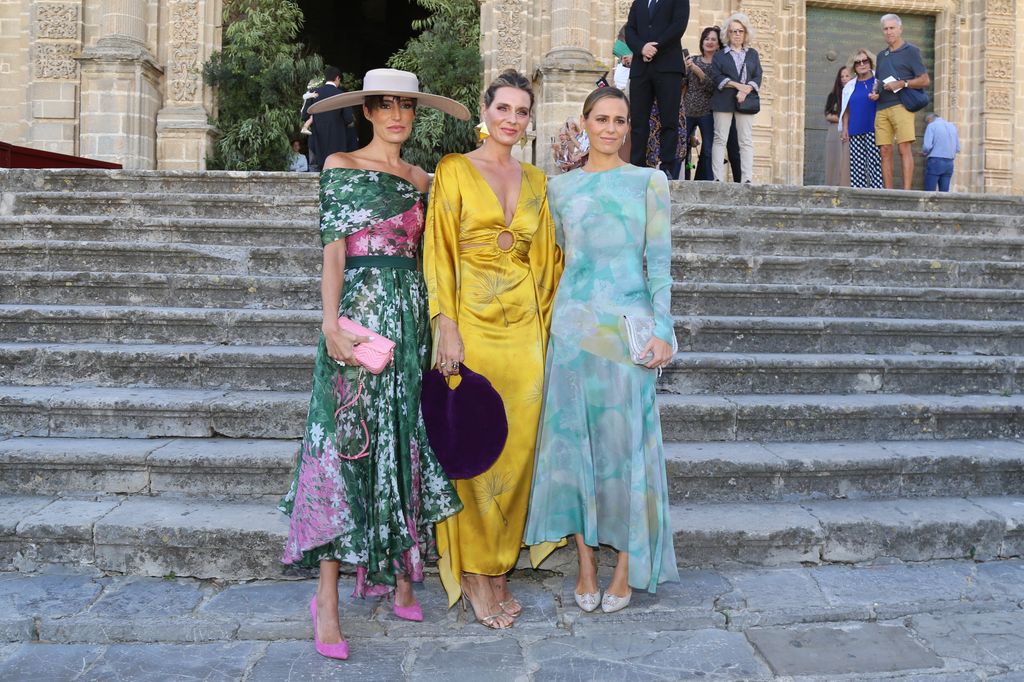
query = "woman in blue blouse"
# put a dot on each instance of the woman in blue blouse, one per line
(857, 122)
(600, 466)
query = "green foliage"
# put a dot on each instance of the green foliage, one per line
(260, 76)
(446, 57)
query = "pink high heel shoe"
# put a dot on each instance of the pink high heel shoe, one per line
(338, 651)
(412, 612)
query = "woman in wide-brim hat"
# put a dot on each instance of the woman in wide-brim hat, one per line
(367, 489)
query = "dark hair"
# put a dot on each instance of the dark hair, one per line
(509, 78)
(603, 93)
(372, 102)
(704, 34)
(836, 96)
(331, 73)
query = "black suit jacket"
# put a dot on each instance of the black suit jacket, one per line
(331, 131)
(662, 24)
(722, 67)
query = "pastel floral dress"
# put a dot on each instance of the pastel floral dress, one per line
(376, 512)
(600, 463)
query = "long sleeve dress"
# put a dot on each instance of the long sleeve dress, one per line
(501, 300)
(376, 512)
(600, 468)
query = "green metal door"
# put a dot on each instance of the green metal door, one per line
(832, 36)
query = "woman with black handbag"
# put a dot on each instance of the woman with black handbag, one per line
(736, 73)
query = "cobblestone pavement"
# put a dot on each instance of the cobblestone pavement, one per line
(936, 621)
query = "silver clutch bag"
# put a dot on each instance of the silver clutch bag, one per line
(639, 331)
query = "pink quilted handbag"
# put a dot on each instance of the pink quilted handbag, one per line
(375, 354)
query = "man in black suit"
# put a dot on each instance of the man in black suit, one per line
(333, 131)
(653, 31)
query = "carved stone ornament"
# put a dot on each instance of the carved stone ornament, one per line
(1000, 7)
(999, 68)
(997, 99)
(1000, 36)
(761, 17)
(56, 21)
(56, 61)
(510, 33)
(621, 12)
(183, 69)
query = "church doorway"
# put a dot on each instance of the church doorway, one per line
(832, 36)
(358, 35)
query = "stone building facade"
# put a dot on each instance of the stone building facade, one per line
(114, 80)
(977, 77)
(119, 80)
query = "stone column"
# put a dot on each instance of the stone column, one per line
(53, 94)
(997, 114)
(184, 134)
(566, 76)
(120, 92)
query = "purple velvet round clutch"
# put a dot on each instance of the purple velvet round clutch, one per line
(466, 425)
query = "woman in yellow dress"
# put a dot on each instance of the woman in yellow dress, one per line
(491, 266)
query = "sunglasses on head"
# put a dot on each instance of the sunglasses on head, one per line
(858, 62)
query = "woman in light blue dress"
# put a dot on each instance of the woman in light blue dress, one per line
(600, 466)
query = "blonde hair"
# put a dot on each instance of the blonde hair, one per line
(868, 53)
(744, 21)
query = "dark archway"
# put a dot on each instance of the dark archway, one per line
(358, 35)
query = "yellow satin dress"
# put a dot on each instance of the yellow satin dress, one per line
(501, 299)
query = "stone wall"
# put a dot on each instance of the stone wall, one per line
(565, 44)
(115, 80)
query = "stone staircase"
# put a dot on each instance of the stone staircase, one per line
(849, 385)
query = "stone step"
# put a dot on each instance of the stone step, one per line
(837, 300)
(735, 334)
(139, 181)
(849, 531)
(856, 470)
(202, 538)
(90, 412)
(290, 368)
(159, 289)
(689, 298)
(246, 368)
(107, 412)
(854, 220)
(768, 241)
(758, 334)
(810, 418)
(766, 196)
(176, 204)
(697, 373)
(892, 272)
(231, 232)
(204, 467)
(154, 257)
(134, 325)
(251, 469)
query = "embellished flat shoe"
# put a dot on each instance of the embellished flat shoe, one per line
(588, 601)
(611, 603)
(338, 651)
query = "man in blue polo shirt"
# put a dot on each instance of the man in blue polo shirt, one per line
(899, 66)
(941, 145)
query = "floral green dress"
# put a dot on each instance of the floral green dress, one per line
(376, 512)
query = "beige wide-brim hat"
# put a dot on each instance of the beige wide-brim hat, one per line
(392, 82)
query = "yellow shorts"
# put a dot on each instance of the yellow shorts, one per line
(894, 122)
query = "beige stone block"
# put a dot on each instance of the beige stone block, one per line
(998, 160)
(42, 90)
(51, 109)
